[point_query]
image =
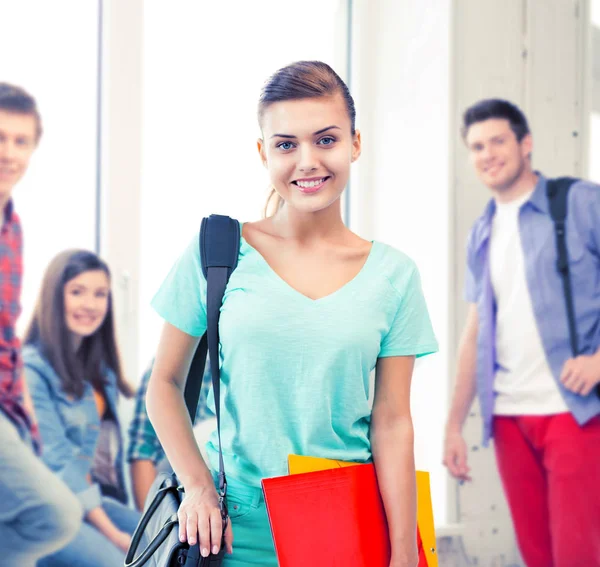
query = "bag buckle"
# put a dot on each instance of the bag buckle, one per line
(223, 504)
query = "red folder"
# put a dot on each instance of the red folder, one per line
(333, 518)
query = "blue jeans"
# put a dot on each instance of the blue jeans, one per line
(252, 539)
(90, 548)
(38, 513)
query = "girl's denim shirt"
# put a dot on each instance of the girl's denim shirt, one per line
(69, 427)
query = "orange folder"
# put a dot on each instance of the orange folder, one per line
(298, 464)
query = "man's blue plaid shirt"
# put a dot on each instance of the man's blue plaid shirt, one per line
(143, 442)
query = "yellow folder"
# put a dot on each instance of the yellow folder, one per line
(298, 464)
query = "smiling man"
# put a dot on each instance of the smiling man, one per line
(537, 400)
(38, 513)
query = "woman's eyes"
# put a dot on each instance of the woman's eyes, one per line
(77, 292)
(285, 146)
(325, 141)
(329, 139)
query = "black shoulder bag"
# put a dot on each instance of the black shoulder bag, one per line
(157, 529)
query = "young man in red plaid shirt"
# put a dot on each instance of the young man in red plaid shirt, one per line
(38, 513)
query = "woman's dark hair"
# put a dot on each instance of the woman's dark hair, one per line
(303, 79)
(18, 100)
(496, 108)
(49, 332)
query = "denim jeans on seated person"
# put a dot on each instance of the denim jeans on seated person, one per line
(91, 548)
(38, 513)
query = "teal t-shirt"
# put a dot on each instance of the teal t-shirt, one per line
(295, 371)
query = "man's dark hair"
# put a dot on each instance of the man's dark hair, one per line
(496, 108)
(18, 100)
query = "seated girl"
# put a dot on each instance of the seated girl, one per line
(74, 374)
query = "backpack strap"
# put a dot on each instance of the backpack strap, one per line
(219, 250)
(557, 191)
(219, 241)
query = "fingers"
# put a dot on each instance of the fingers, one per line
(587, 388)
(229, 538)
(206, 529)
(574, 384)
(571, 378)
(452, 465)
(580, 375)
(566, 371)
(463, 467)
(192, 528)
(216, 530)
(204, 532)
(182, 517)
(456, 462)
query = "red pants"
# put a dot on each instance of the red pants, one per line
(550, 469)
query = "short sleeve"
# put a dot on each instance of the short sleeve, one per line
(411, 332)
(470, 289)
(181, 299)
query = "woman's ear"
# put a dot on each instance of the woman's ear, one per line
(356, 146)
(260, 144)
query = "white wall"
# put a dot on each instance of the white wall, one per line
(532, 53)
(121, 165)
(400, 184)
(594, 145)
(57, 64)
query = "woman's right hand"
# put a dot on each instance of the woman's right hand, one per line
(200, 520)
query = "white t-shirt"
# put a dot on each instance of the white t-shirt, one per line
(524, 383)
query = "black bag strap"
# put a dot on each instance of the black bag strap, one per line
(219, 250)
(219, 241)
(557, 191)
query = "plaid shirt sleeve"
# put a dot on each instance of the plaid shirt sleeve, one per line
(143, 442)
(11, 363)
(203, 412)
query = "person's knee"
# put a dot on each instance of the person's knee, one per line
(55, 521)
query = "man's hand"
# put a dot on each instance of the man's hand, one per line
(581, 374)
(455, 455)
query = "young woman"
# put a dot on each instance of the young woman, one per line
(309, 311)
(73, 371)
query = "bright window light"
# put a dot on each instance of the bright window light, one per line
(56, 61)
(204, 65)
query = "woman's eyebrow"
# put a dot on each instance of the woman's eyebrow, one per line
(290, 137)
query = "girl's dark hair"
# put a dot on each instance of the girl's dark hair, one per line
(18, 100)
(49, 332)
(303, 79)
(496, 108)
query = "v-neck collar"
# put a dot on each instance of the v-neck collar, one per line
(293, 292)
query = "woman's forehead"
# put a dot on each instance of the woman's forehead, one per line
(307, 115)
(90, 277)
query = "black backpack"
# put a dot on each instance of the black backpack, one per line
(557, 191)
